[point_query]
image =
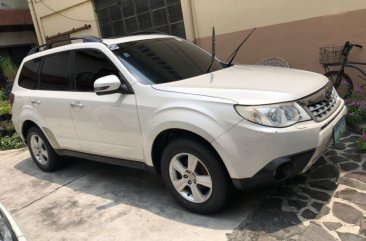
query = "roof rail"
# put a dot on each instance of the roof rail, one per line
(85, 39)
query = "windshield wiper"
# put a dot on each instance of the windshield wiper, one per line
(233, 55)
(213, 53)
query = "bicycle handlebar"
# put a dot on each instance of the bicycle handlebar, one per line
(348, 46)
(358, 45)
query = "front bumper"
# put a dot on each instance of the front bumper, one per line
(247, 148)
(277, 170)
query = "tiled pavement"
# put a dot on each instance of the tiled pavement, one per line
(326, 203)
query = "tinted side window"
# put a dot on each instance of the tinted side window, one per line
(29, 75)
(163, 60)
(55, 72)
(89, 66)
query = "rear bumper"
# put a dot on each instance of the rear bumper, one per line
(250, 150)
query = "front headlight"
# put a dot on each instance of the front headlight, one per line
(277, 115)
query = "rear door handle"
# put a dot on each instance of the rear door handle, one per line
(36, 102)
(77, 105)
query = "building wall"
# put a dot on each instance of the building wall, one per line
(17, 38)
(53, 17)
(15, 23)
(292, 29)
(236, 15)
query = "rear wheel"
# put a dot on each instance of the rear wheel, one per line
(342, 82)
(195, 176)
(41, 150)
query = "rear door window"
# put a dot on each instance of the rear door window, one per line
(29, 75)
(89, 65)
(55, 72)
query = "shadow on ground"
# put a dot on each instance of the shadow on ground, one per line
(136, 188)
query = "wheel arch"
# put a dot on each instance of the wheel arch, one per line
(168, 135)
(25, 128)
(27, 124)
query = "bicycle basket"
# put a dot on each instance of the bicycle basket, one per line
(331, 55)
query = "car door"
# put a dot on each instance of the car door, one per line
(51, 100)
(106, 125)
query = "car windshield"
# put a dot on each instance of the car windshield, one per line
(163, 60)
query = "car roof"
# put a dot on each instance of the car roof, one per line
(106, 41)
(109, 41)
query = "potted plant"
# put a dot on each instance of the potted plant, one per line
(9, 70)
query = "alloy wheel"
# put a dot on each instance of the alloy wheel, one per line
(190, 177)
(39, 149)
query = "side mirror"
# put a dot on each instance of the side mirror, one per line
(109, 84)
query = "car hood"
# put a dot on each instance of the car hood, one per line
(251, 85)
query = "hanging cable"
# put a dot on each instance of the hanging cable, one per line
(57, 12)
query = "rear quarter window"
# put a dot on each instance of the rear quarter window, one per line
(29, 74)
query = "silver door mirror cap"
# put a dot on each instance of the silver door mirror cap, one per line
(107, 85)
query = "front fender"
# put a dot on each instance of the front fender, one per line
(208, 120)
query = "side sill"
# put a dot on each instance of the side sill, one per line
(108, 160)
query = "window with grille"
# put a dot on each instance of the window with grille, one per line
(120, 17)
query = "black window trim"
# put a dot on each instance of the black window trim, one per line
(69, 76)
(121, 77)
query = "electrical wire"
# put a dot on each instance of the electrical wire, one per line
(57, 12)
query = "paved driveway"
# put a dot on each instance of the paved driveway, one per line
(93, 201)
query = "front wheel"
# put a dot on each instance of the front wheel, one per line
(342, 82)
(195, 176)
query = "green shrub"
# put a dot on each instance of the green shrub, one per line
(5, 107)
(2, 95)
(11, 142)
(8, 68)
(356, 106)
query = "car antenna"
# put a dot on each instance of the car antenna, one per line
(213, 53)
(233, 55)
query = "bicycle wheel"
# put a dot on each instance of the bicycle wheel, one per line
(342, 82)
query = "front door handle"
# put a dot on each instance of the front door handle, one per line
(36, 102)
(77, 105)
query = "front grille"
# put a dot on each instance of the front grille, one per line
(322, 103)
(325, 108)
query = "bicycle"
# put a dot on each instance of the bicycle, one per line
(338, 56)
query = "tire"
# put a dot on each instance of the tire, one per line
(344, 86)
(41, 150)
(209, 166)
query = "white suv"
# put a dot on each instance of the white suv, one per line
(151, 102)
